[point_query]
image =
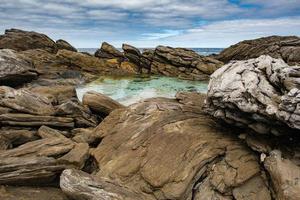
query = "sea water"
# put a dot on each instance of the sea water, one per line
(129, 90)
(201, 51)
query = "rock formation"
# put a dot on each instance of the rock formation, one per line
(100, 103)
(286, 48)
(62, 44)
(262, 94)
(169, 149)
(14, 70)
(20, 40)
(108, 51)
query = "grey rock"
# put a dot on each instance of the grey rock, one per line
(261, 94)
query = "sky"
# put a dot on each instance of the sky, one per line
(148, 23)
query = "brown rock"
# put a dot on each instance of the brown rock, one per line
(108, 51)
(31, 193)
(285, 176)
(100, 103)
(163, 149)
(24, 101)
(34, 162)
(14, 70)
(286, 48)
(62, 44)
(23, 40)
(27, 120)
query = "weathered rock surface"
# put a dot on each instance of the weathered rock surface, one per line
(180, 62)
(24, 101)
(34, 162)
(62, 44)
(20, 40)
(261, 94)
(163, 149)
(132, 53)
(100, 103)
(82, 186)
(31, 193)
(286, 48)
(108, 51)
(14, 70)
(285, 176)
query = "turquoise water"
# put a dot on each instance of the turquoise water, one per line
(129, 90)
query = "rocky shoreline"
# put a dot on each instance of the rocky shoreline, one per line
(239, 141)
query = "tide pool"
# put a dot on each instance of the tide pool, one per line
(129, 90)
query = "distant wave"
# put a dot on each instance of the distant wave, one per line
(201, 51)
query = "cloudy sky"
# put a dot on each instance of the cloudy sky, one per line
(147, 23)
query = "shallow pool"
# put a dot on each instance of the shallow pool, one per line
(129, 90)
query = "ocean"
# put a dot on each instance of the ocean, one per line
(201, 51)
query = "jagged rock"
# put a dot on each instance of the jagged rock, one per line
(24, 101)
(100, 103)
(14, 70)
(164, 148)
(31, 193)
(286, 48)
(285, 176)
(261, 94)
(62, 44)
(82, 116)
(132, 54)
(182, 63)
(20, 40)
(108, 51)
(82, 186)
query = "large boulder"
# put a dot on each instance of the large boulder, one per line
(261, 94)
(62, 44)
(14, 70)
(165, 149)
(107, 51)
(286, 48)
(100, 103)
(20, 40)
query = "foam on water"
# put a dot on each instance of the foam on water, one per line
(129, 90)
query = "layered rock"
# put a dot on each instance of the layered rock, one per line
(20, 40)
(25, 108)
(261, 94)
(286, 48)
(108, 51)
(62, 44)
(31, 193)
(165, 149)
(183, 63)
(100, 103)
(14, 70)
